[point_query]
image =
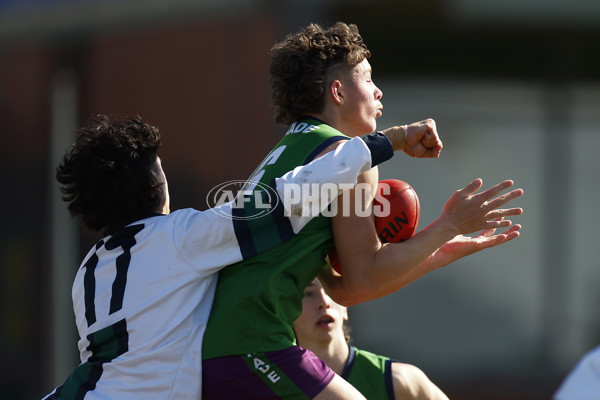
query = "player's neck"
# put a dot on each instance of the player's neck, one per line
(333, 120)
(335, 353)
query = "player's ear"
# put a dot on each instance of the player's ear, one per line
(345, 314)
(336, 92)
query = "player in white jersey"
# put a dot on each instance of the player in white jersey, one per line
(143, 293)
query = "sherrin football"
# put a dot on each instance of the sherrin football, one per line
(398, 216)
(397, 210)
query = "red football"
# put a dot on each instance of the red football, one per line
(397, 210)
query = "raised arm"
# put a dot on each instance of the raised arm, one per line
(419, 139)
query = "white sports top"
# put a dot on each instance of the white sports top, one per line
(142, 297)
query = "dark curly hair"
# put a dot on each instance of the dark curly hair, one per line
(299, 66)
(106, 174)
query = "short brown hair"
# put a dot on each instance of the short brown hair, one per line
(299, 66)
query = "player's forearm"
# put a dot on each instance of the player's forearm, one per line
(370, 269)
(395, 265)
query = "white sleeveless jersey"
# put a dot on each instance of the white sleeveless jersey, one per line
(142, 297)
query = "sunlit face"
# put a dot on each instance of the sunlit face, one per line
(321, 317)
(362, 100)
(162, 187)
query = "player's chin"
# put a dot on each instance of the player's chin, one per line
(371, 126)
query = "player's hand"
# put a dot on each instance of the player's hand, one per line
(461, 246)
(469, 211)
(422, 139)
(419, 139)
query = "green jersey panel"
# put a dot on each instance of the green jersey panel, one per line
(257, 300)
(370, 373)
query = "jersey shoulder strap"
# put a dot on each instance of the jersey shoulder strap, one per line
(370, 373)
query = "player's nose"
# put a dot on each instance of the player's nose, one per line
(378, 93)
(323, 300)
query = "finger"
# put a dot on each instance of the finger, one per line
(503, 199)
(508, 235)
(431, 153)
(504, 212)
(431, 137)
(435, 151)
(498, 239)
(502, 237)
(430, 125)
(493, 191)
(418, 150)
(513, 229)
(497, 223)
(432, 145)
(417, 131)
(489, 232)
(470, 188)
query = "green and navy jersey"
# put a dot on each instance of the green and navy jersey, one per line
(370, 373)
(258, 300)
(143, 295)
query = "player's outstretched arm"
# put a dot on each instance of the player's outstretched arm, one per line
(373, 269)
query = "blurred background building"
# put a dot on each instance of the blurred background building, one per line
(513, 85)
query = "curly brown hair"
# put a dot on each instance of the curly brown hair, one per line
(299, 67)
(106, 174)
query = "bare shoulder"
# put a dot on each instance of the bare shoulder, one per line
(410, 382)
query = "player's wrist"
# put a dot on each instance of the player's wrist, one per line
(398, 137)
(445, 228)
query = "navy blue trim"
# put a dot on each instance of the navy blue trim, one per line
(322, 147)
(380, 147)
(389, 383)
(349, 363)
(284, 226)
(310, 117)
(242, 233)
(241, 227)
